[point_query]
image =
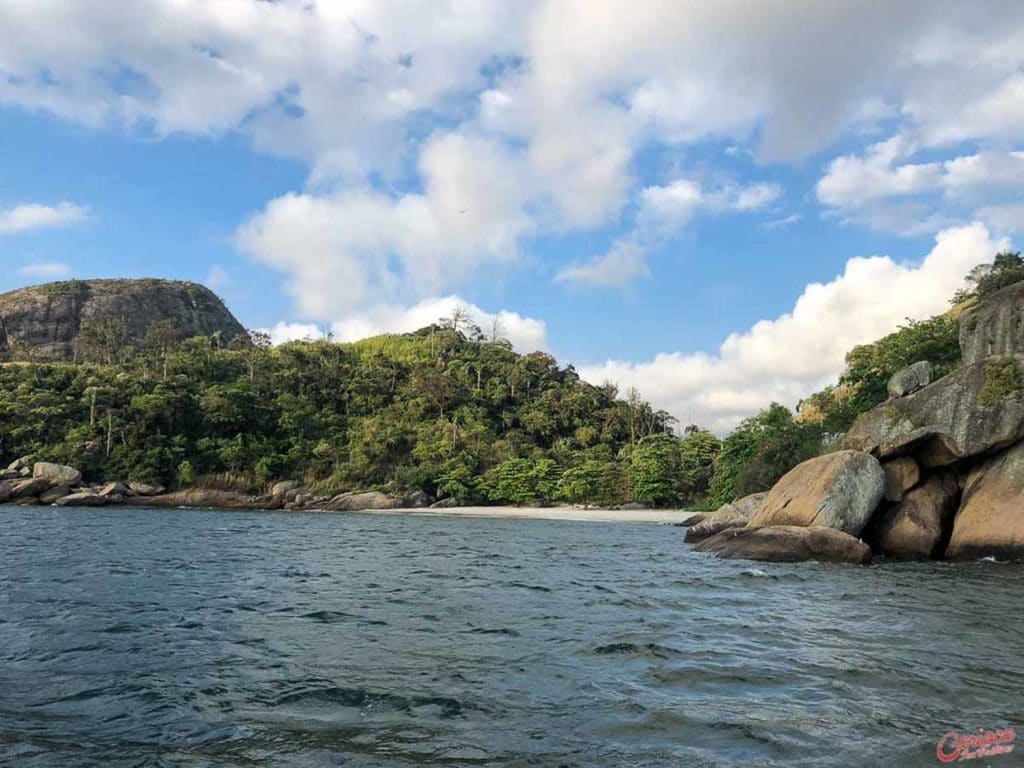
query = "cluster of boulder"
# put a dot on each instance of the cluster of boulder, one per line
(42, 482)
(27, 483)
(935, 472)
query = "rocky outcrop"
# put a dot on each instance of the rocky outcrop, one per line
(82, 499)
(367, 500)
(787, 544)
(917, 528)
(901, 475)
(975, 410)
(995, 326)
(146, 489)
(731, 515)
(990, 521)
(56, 473)
(283, 487)
(838, 490)
(910, 379)
(202, 498)
(43, 322)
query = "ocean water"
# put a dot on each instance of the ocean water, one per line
(201, 638)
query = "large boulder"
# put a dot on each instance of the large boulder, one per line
(910, 379)
(367, 500)
(977, 409)
(43, 322)
(82, 499)
(285, 486)
(728, 515)
(54, 493)
(32, 486)
(838, 490)
(990, 521)
(995, 326)
(5, 491)
(901, 475)
(111, 490)
(787, 544)
(918, 527)
(146, 489)
(56, 474)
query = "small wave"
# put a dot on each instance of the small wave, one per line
(360, 698)
(534, 587)
(647, 649)
(498, 631)
(757, 572)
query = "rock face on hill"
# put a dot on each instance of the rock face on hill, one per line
(43, 322)
(950, 483)
(995, 326)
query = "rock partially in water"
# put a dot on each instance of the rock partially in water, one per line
(206, 499)
(918, 527)
(990, 521)
(787, 544)
(910, 379)
(55, 493)
(839, 490)
(82, 499)
(29, 487)
(729, 515)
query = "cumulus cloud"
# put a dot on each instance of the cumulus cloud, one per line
(798, 352)
(49, 270)
(568, 90)
(886, 189)
(29, 216)
(526, 334)
(283, 332)
(353, 245)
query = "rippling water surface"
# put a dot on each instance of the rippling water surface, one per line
(136, 637)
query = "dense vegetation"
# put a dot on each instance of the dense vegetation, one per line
(445, 410)
(448, 410)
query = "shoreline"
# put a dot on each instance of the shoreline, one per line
(647, 516)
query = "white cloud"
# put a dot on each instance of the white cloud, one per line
(355, 245)
(49, 270)
(885, 189)
(525, 333)
(663, 212)
(29, 216)
(796, 353)
(624, 262)
(283, 332)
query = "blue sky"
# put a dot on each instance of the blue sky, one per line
(705, 202)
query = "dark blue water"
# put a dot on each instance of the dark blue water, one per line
(191, 638)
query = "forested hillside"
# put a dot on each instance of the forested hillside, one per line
(448, 410)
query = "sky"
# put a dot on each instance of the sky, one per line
(712, 202)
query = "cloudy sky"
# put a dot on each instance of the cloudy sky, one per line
(711, 201)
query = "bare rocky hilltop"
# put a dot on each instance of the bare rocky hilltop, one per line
(44, 322)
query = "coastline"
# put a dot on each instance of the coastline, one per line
(648, 516)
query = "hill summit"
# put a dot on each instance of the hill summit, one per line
(46, 322)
